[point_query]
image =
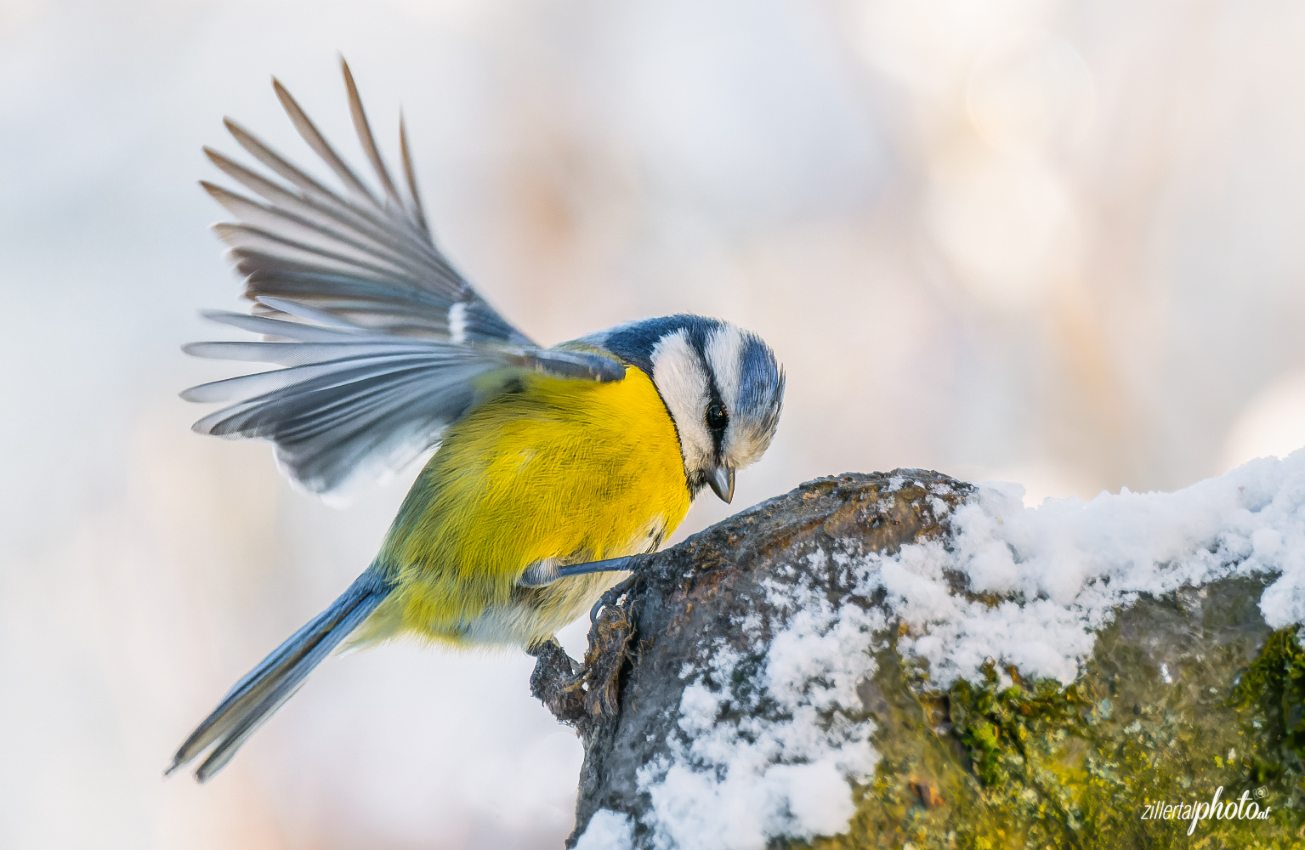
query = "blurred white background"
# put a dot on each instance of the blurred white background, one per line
(1051, 242)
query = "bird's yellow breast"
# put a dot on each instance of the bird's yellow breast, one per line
(572, 471)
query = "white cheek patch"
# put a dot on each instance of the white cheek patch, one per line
(681, 378)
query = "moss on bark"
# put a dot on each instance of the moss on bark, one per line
(1183, 696)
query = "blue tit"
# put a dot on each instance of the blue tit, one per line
(551, 465)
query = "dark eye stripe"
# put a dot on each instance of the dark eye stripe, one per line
(715, 424)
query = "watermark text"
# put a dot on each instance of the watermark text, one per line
(1242, 808)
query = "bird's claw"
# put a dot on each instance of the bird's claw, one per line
(611, 595)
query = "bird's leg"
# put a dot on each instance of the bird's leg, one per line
(611, 565)
(547, 571)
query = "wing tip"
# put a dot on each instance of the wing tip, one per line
(221, 195)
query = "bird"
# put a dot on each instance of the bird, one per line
(552, 470)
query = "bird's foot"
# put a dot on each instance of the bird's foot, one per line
(611, 596)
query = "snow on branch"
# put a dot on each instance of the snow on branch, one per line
(756, 681)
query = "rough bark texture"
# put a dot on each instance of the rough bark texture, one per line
(1183, 694)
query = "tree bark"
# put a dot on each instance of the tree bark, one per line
(998, 762)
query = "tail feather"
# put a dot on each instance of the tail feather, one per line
(276, 678)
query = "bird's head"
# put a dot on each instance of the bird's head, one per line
(721, 384)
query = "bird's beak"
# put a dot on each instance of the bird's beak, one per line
(722, 483)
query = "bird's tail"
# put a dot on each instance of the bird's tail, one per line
(265, 688)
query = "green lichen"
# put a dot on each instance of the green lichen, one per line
(1271, 696)
(1182, 696)
(996, 722)
(1006, 730)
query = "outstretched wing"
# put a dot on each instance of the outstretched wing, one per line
(365, 258)
(383, 343)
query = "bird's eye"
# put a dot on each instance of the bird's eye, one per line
(716, 418)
